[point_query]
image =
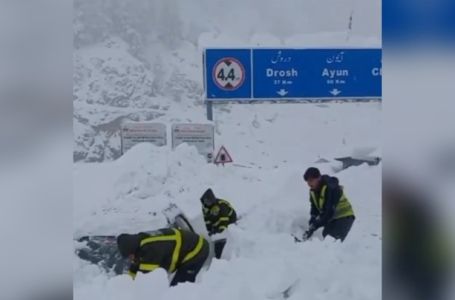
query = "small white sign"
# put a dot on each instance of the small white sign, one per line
(199, 135)
(133, 133)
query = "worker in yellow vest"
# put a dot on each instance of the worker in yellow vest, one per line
(175, 250)
(218, 215)
(329, 206)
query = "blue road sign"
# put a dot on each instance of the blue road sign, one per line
(293, 73)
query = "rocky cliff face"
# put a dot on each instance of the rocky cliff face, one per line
(112, 86)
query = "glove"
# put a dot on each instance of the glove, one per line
(211, 230)
(133, 269)
(309, 232)
(307, 235)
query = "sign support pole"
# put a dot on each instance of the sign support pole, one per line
(209, 110)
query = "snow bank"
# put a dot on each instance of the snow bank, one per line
(261, 257)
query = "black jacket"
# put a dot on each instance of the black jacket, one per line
(218, 216)
(333, 194)
(218, 213)
(157, 249)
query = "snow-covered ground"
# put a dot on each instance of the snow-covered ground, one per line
(271, 146)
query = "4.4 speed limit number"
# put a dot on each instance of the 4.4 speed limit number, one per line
(228, 74)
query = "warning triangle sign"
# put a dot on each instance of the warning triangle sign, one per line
(223, 156)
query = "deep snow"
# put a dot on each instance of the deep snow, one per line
(265, 186)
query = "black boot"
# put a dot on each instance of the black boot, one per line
(219, 246)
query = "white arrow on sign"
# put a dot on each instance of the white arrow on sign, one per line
(335, 92)
(282, 92)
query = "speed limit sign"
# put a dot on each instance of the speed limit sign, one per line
(228, 74)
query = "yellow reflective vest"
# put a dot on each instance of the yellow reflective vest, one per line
(343, 208)
(167, 248)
